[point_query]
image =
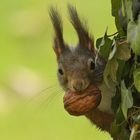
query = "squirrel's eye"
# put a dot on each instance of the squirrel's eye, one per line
(60, 71)
(91, 64)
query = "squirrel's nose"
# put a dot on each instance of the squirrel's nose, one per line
(79, 85)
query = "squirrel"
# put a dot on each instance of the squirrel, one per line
(77, 68)
(81, 66)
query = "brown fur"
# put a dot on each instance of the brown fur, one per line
(102, 120)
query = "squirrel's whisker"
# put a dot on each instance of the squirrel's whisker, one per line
(54, 95)
(44, 92)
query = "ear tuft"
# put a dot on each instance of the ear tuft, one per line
(56, 20)
(85, 39)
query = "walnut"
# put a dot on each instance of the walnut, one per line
(79, 103)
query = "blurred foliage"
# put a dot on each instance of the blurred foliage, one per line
(30, 98)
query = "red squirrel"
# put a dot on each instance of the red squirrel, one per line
(78, 67)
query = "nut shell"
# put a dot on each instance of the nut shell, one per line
(79, 103)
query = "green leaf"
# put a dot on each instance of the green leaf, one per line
(123, 52)
(133, 35)
(104, 46)
(114, 130)
(119, 116)
(126, 99)
(111, 71)
(121, 72)
(123, 10)
(128, 4)
(118, 127)
(116, 100)
(116, 6)
(136, 76)
(124, 134)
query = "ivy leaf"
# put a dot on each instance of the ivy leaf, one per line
(119, 116)
(111, 71)
(122, 70)
(126, 99)
(128, 4)
(104, 45)
(116, 100)
(116, 6)
(123, 8)
(136, 76)
(123, 52)
(133, 35)
(118, 127)
(114, 130)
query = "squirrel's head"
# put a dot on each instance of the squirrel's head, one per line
(78, 67)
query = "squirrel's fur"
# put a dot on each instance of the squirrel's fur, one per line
(74, 66)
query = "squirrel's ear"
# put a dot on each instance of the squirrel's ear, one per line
(90, 45)
(57, 48)
(59, 44)
(85, 39)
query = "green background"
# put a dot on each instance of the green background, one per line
(31, 101)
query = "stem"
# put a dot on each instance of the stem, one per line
(133, 132)
(112, 34)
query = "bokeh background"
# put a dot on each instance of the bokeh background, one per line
(31, 106)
